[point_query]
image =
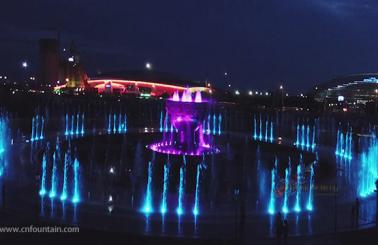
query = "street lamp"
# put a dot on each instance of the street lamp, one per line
(24, 64)
(148, 66)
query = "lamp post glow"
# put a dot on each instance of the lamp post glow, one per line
(24, 64)
(148, 66)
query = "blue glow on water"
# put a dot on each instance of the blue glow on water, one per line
(309, 205)
(272, 201)
(76, 190)
(285, 207)
(163, 207)
(147, 206)
(42, 190)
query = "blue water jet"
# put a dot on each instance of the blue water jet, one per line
(147, 206)
(163, 207)
(272, 202)
(219, 124)
(285, 207)
(309, 205)
(52, 192)
(67, 159)
(297, 207)
(181, 189)
(198, 190)
(42, 190)
(76, 191)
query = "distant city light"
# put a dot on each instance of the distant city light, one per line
(340, 98)
(250, 92)
(225, 73)
(71, 59)
(237, 92)
(148, 66)
(281, 87)
(24, 64)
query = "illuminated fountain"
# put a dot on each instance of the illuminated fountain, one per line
(368, 171)
(3, 142)
(344, 144)
(38, 127)
(263, 131)
(116, 123)
(185, 116)
(74, 124)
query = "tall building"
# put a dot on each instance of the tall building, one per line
(49, 61)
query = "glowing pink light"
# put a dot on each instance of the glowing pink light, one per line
(198, 98)
(176, 96)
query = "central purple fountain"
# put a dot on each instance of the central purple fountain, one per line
(187, 116)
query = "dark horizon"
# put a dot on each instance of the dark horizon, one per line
(260, 44)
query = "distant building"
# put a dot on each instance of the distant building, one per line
(354, 92)
(140, 83)
(49, 61)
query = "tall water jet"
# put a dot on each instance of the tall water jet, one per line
(42, 190)
(272, 199)
(260, 131)
(198, 190)
(308, 136)
(181, 190)
(161, 122)
(309, 205)
(303, 135)
(271, 132)
(52, 193)
(109, 123)
(163, 207)
(297, 207)
(298, 133)
(214, 124)
(219, 124)
(82, 124)
(285, 207)
(66, 131)
(67, 160)
(147, 206)
(72, 124)
(76, 191)
(313, 144)
(33, 129)
(254, 128)
(266, 129)
(77, 123)
(114, 123)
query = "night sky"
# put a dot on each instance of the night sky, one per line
(259, 43)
